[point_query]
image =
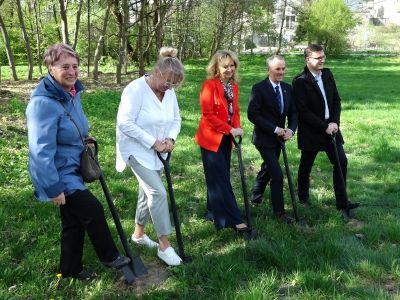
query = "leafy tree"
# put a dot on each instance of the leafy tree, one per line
(326, 22)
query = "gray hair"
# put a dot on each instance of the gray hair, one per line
(272, 57)
(54, 52)
(212, 68)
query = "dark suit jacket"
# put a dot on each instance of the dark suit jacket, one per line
(311, 109)
(263, 112)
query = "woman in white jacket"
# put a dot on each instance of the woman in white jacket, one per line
(148, 122)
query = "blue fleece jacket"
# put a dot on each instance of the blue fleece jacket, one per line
(55, 146)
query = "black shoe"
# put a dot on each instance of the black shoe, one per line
(347, 214)
(209, 216)
(352, 205)
(118, 263)
(256, 200)
(247, 232)
(83, 275)
(305, 202)
(285, 218)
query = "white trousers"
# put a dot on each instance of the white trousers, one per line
(152, 198)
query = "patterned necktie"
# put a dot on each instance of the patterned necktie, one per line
(278, 98)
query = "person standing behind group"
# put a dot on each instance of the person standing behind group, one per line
(56, 125)
(219, 122)
(271, 101)
(319, 106)
(148, 122)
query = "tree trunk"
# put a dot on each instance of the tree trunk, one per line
(140, 37)
(9, 52)
(38, 40)
(26, 39)
(77, 23)
(278, 50)
(56, 21)
(64, 22)
(100, 44)
(89, 38)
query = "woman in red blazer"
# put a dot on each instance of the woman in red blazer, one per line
(219, 121)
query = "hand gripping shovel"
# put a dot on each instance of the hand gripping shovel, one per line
(290, 180)
(238, 145)
(174, 209)
(347, 213)
(136, 267)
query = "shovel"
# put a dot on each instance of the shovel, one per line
(174, 209)
(238, 145)
(136, 267)
(347, 213)
(289, 179)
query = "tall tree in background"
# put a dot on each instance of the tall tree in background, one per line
(77, 23)
(100, 43)
(6, 39)
(283, 15)
(64, 22)
(36, 9)
(326, 22)
(26, 39)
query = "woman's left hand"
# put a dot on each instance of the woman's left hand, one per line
(237, 132)
(169, 145)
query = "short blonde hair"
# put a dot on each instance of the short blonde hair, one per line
(168, 62)
(220, 55)
(54, 52)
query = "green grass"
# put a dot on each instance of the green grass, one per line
(325, 261)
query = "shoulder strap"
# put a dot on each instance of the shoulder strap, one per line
(73, 121)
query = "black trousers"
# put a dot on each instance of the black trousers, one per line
(221, 200)
(83, 212)
(270, 171)
(306, 163)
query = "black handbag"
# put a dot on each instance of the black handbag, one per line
(89, 165)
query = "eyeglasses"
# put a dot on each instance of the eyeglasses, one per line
(318, 58)
(169, 84)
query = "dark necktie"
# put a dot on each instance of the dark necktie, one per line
(278, 98)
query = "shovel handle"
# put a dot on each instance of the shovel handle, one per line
(239, 142)
(166, 160)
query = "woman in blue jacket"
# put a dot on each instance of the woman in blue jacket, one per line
(55, 148)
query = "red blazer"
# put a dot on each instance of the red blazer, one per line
(214, 114)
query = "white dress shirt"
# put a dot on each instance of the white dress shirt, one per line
(142, 119)
(318, 79)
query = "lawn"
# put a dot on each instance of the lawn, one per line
(328, 259)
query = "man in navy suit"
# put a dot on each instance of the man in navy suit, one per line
(318, 104)
(270, 103)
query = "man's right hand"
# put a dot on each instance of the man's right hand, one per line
(280, 131)
(332, 128)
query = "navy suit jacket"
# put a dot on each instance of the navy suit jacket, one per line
(263, 112)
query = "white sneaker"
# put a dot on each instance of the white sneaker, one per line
(144, 240)
(169, 256)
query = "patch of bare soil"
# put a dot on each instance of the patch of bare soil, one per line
(391, 288)
(157, 274)
(356, 224)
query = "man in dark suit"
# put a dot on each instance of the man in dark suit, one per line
(270, 103)
(319, 105)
